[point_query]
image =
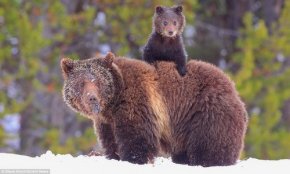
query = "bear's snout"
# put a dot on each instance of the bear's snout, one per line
(95, 108)
(93, 103)
(90, 98)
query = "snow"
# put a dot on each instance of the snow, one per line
(59, 164)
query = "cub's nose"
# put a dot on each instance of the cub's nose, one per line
(170, 33)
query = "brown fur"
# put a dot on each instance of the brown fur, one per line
(174, 18)
(198, 119)
(165, 42)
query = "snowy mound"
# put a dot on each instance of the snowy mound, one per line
(61, 164)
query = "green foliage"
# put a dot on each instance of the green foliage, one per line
(22, 39)
(2, 137)
(72, 145)
(262, 83)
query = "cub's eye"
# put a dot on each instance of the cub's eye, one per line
(165, 23)
(174, 23)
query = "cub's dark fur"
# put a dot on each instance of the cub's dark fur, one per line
(165, 42)
(139, 111)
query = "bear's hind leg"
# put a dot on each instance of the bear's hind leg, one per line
(180, 158)
(206, 157)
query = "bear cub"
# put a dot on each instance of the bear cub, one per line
(165, 42)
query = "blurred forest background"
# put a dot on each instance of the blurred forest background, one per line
(248, 39)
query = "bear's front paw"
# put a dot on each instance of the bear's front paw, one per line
(95, 153)
(113, 156)
(138, 156)
(136, 159)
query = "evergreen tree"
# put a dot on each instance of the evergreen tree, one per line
(263, 83)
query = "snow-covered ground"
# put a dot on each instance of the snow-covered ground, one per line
(67, 164)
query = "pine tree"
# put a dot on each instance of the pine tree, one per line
(263, 83)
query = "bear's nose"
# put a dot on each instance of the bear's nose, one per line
(93, 103)
(170, 32)
(92, 98)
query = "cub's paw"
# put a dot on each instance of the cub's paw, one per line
(181, 70)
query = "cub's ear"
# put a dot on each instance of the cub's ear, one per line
(66, 66)
(178, 9)
(159, 10)
(109, 58)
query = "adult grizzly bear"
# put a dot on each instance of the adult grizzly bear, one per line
(139, 110)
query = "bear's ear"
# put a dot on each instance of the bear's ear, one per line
(159, 10)
(66, 66)
(109, 58)
(178, 9)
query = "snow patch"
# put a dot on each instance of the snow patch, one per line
(99, 164)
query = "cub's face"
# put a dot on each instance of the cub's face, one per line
(169, 21)
(88, 85)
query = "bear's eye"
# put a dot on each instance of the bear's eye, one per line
(174, 23)
(165, 23)
(82, 84)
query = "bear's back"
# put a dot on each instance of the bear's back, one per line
(202, 82)
(203, 103)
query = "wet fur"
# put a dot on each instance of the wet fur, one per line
(198, 119)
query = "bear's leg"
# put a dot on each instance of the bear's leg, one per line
(180, 62)
(210, 154)
(137, 151)
(180, 158)
(107, 139)
(197, 157)
(136, 144)
(181, 69)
